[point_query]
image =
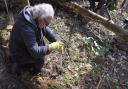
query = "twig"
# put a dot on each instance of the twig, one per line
(109, 16)
(106, 8)
(99, 84)
(122, 3)
(28, 2)
(6, 6)
(79, 61)
(101, 78)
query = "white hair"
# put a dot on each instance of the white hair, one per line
(43, 10)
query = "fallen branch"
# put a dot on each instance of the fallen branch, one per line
(109, 24)
(118, 30)
(123, 3)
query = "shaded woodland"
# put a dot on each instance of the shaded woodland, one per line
(96, 47)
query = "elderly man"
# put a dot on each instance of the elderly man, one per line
(27, 46)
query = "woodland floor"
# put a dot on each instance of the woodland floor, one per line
(93, 58)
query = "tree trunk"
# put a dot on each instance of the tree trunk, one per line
(109, 24)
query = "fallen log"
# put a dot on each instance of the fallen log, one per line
(109, 24)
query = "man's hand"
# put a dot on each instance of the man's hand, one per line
(56, 46)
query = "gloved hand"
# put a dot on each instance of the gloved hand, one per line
(56, 46)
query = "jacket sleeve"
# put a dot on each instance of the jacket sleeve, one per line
(50, 35)
(29, 38)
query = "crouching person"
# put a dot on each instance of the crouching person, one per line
(26, 45)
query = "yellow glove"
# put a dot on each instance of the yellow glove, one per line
(56, 46)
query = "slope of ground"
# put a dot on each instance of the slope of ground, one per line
(93, 57)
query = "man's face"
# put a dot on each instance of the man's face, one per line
(44, 22)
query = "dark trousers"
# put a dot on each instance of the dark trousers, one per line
(33, 68)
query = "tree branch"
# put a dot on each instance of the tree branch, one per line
(109, 24)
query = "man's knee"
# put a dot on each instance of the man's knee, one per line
(15, 69)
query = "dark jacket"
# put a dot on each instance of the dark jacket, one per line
(26, 41)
